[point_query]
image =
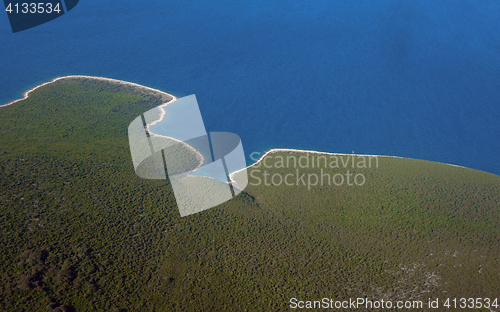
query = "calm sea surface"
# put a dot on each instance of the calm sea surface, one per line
(418, 79)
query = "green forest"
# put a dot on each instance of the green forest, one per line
(80, 231)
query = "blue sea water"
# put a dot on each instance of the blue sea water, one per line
(417, 79)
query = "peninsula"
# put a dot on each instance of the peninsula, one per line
(80, 231)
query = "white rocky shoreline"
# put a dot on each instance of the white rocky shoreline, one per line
(174, 98)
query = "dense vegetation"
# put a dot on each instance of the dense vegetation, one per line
(80, 231)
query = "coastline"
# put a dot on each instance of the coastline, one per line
(163, 114)
(281, 150)
(199, 155)
(27, 92)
